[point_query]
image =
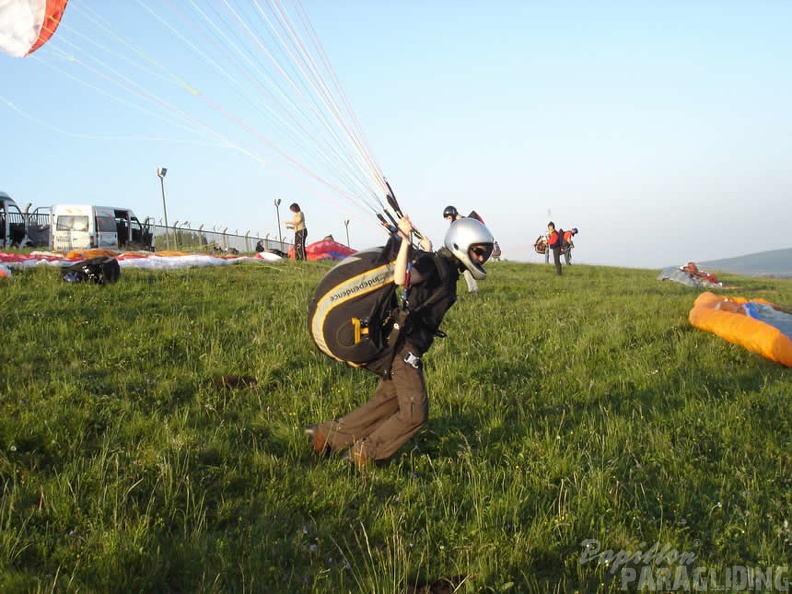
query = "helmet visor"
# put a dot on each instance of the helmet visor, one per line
(480, 252)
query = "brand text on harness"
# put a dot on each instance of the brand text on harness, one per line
(366, 283)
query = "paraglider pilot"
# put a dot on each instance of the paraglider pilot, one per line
(555, 242)
(400, 407)
(569, 244)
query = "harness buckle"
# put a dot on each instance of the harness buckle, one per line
(412, 360)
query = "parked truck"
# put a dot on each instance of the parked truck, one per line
(85, 226)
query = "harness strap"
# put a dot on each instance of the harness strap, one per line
(434, 298)
(406, 288)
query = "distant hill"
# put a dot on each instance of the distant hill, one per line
(777, 263)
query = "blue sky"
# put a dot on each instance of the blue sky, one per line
(662, 131)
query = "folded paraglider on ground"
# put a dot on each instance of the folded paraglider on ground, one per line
(690, 275)
(757, 325)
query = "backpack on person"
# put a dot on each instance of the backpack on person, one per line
(559, 239)
(562, 243)
(101, 270)
(355, 316)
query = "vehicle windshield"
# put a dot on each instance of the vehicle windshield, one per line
(72, 223)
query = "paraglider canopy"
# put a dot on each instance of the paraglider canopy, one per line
(26, 25)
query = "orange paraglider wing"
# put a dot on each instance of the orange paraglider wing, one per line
(729, 318)
(26, 25)
(52, 19)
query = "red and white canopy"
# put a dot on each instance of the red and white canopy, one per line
(26, 25)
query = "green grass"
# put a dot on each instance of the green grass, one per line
(561, 410)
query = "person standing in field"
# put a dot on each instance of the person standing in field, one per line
(300, 232)
(400, 406)
(554, 242)
(569, 244)
(547, 251)
(451, 214)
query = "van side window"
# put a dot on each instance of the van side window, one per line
(106, 224)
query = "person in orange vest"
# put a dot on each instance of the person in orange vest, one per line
(569, 244)
(554, 242)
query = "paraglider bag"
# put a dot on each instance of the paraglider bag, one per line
(101, 270)
(354, 316)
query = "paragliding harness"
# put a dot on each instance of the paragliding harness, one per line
(540, 245)
(356, 316)
(559, 242)
(101, 270)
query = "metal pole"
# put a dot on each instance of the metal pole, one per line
(277, 202)
(346, 224)
(161, 171)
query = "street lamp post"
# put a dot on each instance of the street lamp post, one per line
(277, 202)
(346, 224)
(161, 171)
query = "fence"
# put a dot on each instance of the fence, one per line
(186, 239)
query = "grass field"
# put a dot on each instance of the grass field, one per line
(572, 420)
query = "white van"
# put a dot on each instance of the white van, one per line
(12, 223)
(82, 226)
(85, 226)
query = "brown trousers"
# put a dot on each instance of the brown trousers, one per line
(382, 425)
(557, 259)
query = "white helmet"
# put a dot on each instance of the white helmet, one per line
(464, 235)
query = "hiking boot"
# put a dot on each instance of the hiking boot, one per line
(355, 457)
(317, 439)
